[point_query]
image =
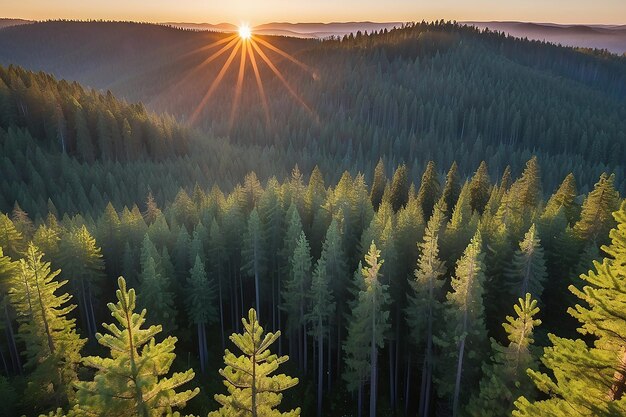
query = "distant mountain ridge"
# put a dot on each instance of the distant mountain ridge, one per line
(6, 22)
(609, 37)
(298, 30)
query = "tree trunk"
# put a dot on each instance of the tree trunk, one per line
(391, 376)
(219, 285)
(457, 384)
(201, 348)
(407, 385)
(256, 285)
(373, 368)
(320, 366)
(619, 378)
(360, 400)
(13, 352)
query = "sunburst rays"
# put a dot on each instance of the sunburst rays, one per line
(250, 47)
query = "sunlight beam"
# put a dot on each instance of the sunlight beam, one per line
(259, 84)
(242, 70)
(215, 83)
(193, 71)
(282, 78)
(285, 54)
(212, 45)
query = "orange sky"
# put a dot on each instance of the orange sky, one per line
(256, 12)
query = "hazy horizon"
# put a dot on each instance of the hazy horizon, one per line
(607, 12)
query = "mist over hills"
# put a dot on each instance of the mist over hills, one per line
(609, 37)
(413, 94)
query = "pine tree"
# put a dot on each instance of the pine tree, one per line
(7, 272)
(530, 184)
(82, 265)
(378, 184)
(587, 376)
(424, 305)
(319, 316)
(369, 321)
(480, 188)
(253, 253)
(527, 272)
(565, 198)
(595, 217)
(337, 272)
(156, 295)
(132, 381)
(504, 378)
(430, 189)
(452, 187)
(399, 191)
(11, 240)
(465, 337)
(201, 306)
(462, 226)
(52, 344)
(295, 296)
(252, 391)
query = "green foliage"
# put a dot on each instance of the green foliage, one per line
(132, 381)
(368, 323)
(52, 345)
(527, 272)
(587, 378)
(464, 339)
(595, 217)
(252, 390)
(504, 377)
(430, 189)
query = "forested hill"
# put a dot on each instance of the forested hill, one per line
(84, 123)
(436, 91)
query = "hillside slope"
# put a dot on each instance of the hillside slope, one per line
(428, 91)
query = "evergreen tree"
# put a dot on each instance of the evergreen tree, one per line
(461, 228)
(201, 306)
(430, 189)
(587, 376)
(253, 253)
(52, 344)
(11, 240)
(252, 391)
(82, 265)
(465, 337)
(595, 217)
(565, 198)
(156, 295)
(527, 272)
(132, 381)
(504, 378)
(369, 321)
(399, 191)
(320, 315)
(530, 184)
(424, 306)
(480, 188)
(452, 187)
(378, 184)
(295, 297)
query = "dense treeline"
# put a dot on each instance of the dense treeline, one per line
(387, 295)
(428, 91)
(84, 123)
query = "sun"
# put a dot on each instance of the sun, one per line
(245, 32)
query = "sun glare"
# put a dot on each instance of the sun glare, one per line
(245, 32)
(244, 41)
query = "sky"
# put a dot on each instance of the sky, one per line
(265, 11)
